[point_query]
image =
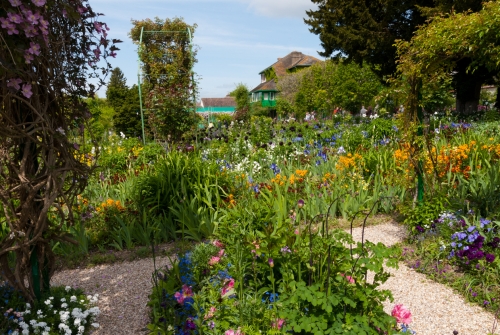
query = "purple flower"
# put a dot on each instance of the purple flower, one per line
(31, 17)
(271, 262)
(34, 48)
(300, 203)
(98, 26)
(26, 91)
(76, 146)
(39, 3)
(11, 30)
(5, 23)
(15, 3)
(474, 294)
(211, 325)
(14, 83)
(30, 30)
(15, 18)
(28, 57)
(490, 258)
(420, 229)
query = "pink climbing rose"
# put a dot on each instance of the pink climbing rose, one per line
(228, 288)
(401, 314)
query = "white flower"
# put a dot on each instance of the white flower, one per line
(63, 299)
(341, 150)
(39, 311)
(77, 321)
(72, 298)
(95, 325)
(68, 288)
(122, 134)
(60, 130)
(47, 302)
(26, 332)
(64, 305)
(28, 305)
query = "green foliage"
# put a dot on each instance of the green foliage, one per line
(101, 122)
(169, 86)
(327, 85)
(422, 215)
(242, 96)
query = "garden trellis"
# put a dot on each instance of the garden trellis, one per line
(168, 57)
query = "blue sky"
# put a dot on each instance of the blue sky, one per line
(236, 38)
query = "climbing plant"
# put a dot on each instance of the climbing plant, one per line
(52, 55)
(168, 85)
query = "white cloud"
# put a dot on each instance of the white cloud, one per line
(281, 8)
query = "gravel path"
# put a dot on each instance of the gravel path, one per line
(436, 309)
(124, 288)
(123, 293)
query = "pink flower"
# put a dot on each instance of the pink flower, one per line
(401, 314)
(218, 244)
(185, 293)
(221, 253)
(214, 260)
(279, 324)
(15, 3)
(210, 313)
(233, 332)
(14, 83)
(15, 18)
(296, 232)
(81, 10)
(349, 278)
(26, 91)
(34, 48)
(39, 3)
(228, 289)
(113, 54)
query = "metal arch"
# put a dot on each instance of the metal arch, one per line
(139, 73)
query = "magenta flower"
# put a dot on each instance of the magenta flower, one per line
(233, 332)
(26, 91)
(81, 10)
(279, 324)
(39, 3)
(113, 54)
(15, 18)
(401, 314)
(228, 289)
(15, 3)
(185, 292)
(14, 83)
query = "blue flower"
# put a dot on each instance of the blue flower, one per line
(275, 168)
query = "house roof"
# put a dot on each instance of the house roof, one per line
(269, 85)
(218, 102)
(293, 59)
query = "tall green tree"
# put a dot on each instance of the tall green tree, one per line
(117, 88)
(366, 31)
(101, 121)
(127, 118)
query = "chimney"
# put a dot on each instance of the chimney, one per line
(296, 56)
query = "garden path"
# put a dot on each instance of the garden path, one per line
(436, 308)
(124, 288)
